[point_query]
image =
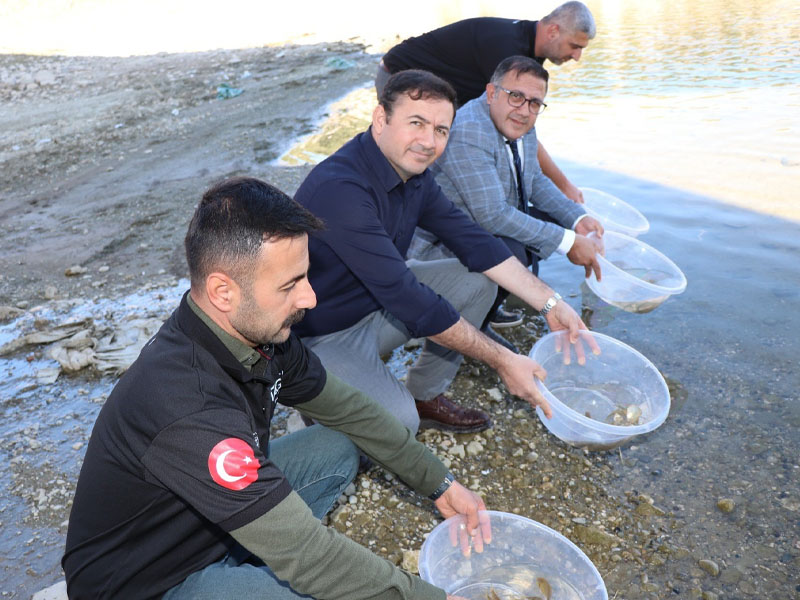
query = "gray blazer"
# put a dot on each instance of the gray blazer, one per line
(476, 174)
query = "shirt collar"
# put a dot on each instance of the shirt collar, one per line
(243, 353)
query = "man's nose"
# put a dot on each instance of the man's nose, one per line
(307, 298)
(576, 55)
(427, 137)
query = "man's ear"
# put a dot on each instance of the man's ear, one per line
(222, 291)
(553, 31)
(379, 118)
(490, 92)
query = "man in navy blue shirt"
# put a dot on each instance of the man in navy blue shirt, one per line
(372, 194)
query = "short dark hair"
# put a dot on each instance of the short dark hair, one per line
(416, 84)
(519, 65)
(233, 220)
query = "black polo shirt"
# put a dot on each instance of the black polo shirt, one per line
(358, 262)
(178, 458)
(465, 53)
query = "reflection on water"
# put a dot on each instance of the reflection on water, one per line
(686, 47)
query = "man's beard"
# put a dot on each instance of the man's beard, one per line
(250, 328)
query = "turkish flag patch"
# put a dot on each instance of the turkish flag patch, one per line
(233, 464)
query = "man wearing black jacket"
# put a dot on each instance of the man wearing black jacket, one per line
(182, 495)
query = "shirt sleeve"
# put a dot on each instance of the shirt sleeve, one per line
(474, 246)
(471, 168)
(303, 374)
(323, 563)
(354, 232)
(377, 432)
(210, 460)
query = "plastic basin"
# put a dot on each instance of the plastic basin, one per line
(634, 276)
(603, 403)
(613, 213)
(523, 559)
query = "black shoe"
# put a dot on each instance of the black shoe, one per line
(506, 318)
(496, 337)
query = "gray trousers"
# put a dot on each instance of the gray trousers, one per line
(354, 354)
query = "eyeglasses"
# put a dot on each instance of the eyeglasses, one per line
(516, 100)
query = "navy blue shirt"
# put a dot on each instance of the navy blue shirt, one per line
(358, 262)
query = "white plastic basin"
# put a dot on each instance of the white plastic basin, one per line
(613, 213)
(523, 558)
(591, 402)
(634, 276)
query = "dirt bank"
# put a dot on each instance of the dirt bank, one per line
(104, 158)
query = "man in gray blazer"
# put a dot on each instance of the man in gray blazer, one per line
(490, 170)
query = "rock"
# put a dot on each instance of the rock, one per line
(9, 312)
(350, 489)
(474, 448)
(494, 394)
(709, 566)
(410, 561)
(726, 505)
(295, 422)
(649, 510)
(75, 270)
(593, 535)
(458, 450)
(709, 596)
(44, 77)
(56, 591)
(50, 292)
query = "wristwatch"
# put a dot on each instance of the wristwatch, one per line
(551, 302)
(449, 478)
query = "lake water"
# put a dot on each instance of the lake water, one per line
(690, 111)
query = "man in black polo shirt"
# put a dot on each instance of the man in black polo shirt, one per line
(466, 53)
(372, 194)
(182, 495)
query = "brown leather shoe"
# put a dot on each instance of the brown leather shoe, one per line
(444, 414)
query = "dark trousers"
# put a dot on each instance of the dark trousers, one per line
(526, 257)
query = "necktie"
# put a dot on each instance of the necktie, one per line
(523, 205)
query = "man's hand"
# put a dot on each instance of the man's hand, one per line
(563, 318)
(518, 374)
(571, 191)
(588, 224)
(584, 253)
(473, 530)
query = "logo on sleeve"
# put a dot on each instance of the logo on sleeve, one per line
(233, 464)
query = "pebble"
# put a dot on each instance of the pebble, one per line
(709, 596)
(75, 270)
(410, 561)
(458, 450)
(474, 448)
(709, 566)
(726, 505)
(44, 77)
(56, 591)
(494, 394)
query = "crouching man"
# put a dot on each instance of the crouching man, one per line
(182, 495)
